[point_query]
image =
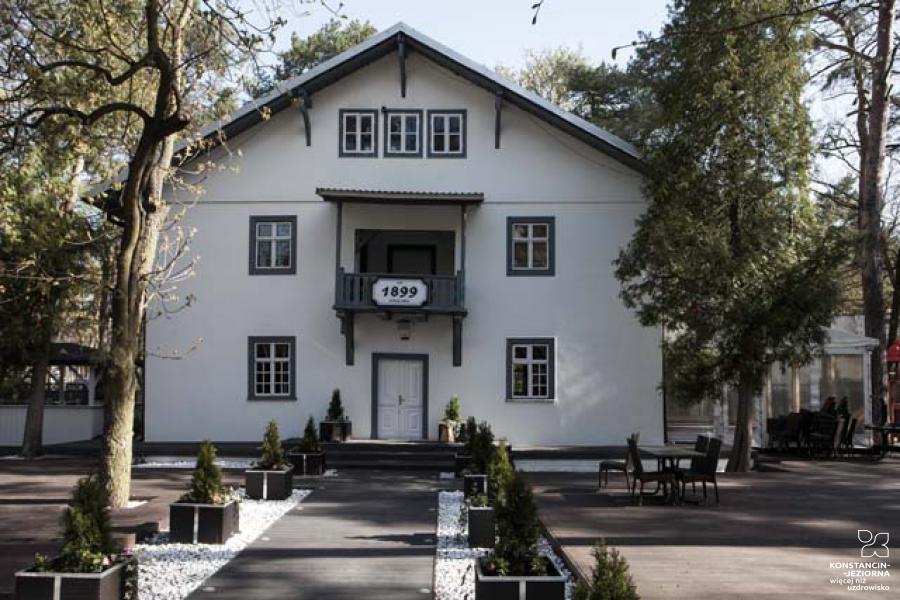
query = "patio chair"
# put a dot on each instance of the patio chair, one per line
(786, 430)
(703, 470)
(821, 434)
(616, 465)
(639, 475)
(847, 443)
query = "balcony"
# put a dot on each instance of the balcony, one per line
(444, 294)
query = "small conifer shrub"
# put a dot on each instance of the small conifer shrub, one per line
(451, 411)
(499, 474)
(310, 441)
(518, 532)
(272, 453)
(206, 482)
(610, 579)
(335, 408)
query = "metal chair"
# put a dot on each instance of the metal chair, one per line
(703, 470)
(616, 465)
(639, 475)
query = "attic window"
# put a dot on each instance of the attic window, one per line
(359, 135)
(447, 133)
(403, 133)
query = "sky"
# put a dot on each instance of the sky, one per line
(496, 32)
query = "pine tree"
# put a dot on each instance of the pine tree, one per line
(335, 408)
(310, 442)
(518, 531)
(272, 452)
(610, 579)
(499, 474)
(206, 482)
(87, 539)
(729, 256)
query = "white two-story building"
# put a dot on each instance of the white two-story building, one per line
(405, 227)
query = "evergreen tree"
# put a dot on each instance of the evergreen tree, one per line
(272, 452)
(206, 482)
(310, 441)
(729, 256)
(518, 531)
(610, 579)
(499, 474)
(87, 539)
(335, 408)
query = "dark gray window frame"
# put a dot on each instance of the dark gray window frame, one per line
(379, 356)
(290, 270)
(550, 271)
(551, 368)
(464, 129)
(251, 367)
(368, 111)
(386, 114)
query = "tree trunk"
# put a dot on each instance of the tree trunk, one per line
(33, 438)
(739, 460)
(871, 201)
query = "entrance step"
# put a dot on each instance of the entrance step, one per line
(388, 455)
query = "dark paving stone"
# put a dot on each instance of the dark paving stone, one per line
(360, 535)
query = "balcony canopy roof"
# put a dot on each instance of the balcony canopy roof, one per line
(399, 197)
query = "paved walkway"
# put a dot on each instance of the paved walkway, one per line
(359, 535)
(774, 536)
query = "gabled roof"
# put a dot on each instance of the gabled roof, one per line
(387, 41)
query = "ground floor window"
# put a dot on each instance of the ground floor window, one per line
(530, 367)
(272, 368)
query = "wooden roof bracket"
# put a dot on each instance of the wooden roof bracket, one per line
(498, 105)
(305, 105)
(401, 54)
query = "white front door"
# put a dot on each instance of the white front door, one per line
(401, 385)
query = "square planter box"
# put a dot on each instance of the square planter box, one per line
(262, 484)
(191, 523)
(481, 527)
(474, 485)
(307, 463)
(539, 587)
(107, 585)
(460, 462)
(335, 431)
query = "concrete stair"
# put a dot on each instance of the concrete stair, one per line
(388, 455)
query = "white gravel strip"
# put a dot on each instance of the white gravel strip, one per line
(454, 564)
(172, 571)
(188, 462)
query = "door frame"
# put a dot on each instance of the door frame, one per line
(377, 357)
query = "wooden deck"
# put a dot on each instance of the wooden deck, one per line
(774, 535)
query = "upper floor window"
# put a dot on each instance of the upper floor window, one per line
(447, 133)
(530, 368)
(530, 246)
(273, 245)
(403, 133)
(359, 135)
(272, 371)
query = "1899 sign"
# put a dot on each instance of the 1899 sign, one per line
(399, 292)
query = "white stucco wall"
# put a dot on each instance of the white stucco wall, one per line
(61, 423)
(608, 367)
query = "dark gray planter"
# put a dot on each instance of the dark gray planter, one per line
(541, 587)
(307, 463)
(474, 485)
(272, 484)
(481, 527)
(106, 585)
(335, 431)
(460, 462)
(215, 523)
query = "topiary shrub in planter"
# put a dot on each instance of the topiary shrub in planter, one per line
(214, 510)
(447, 426)
(465, 434)
(515, 569)
(482, 451)
(271, 477)
(610, 579)
(336, 427)
(87, 568)
(307, 457)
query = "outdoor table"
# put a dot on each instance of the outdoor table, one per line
(670, 454)
(885, 431)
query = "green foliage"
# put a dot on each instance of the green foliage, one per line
(482, 448)
(730, 256)
(518, 531)
(451, 411)
(206, 482)
(466, 434)
(310, 441)
(87, 542)
(272, 452)
(610, 579)
(601, 93)
(499, 474)
(331, 39)
(335, 408)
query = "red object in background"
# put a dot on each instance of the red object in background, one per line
(893, 356)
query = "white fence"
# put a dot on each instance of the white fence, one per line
(61, 423)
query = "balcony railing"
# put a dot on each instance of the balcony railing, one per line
(353, 292)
